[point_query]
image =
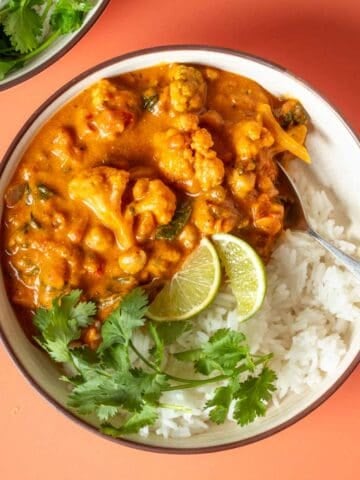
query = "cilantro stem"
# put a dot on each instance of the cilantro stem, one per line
(145, 360)
(171, 406)
(218, 378)
(41, 48)
(46, 10)
(183, 380)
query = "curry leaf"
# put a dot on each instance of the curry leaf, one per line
(178, 222)
(149, 102)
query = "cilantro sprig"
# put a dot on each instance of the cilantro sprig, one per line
(123, 386)
(22, 28)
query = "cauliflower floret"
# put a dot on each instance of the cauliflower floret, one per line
(64, 147)
(99, 239)
(106, 94)
(187, 89)
(249, 136)
(155, 197)
(187, 159)
(186, 122)
(132, 261)
(214, 212)
(101, 189)
(241, 184)
(112, 110)
(48, 268)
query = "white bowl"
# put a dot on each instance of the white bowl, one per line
(335, 151)
(55, 50)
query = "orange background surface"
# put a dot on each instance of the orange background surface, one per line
(316, 39)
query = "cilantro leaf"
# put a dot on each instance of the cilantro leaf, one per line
(147, 416)
(158, 351)
(128, 390)
(68, 15)
(61, 324)
(82, 311)
(223, 352)
(151, 384)
(221, 402)
(177, 224)
(117, 358)
(120, 390)
(119, 326)
(6, 66)
(6, 49)
(104, 412)
(253, 395)
(107, 384)
(23, 25)
(171, 331)
(86, 362)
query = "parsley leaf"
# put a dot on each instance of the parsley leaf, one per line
(22, 24)
(61, 324)
(253, 395)
(177, 224)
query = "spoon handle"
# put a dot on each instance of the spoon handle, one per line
(349, 262)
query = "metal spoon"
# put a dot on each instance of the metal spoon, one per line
(296, 219)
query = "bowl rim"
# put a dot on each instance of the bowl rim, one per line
(5, 85)
(131, 442)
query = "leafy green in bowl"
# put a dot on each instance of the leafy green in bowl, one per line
(30, 27)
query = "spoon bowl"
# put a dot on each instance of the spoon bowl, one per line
(296, 219)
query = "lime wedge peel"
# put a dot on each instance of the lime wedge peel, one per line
(191, 289)
(245, 271)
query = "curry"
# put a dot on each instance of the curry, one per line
(119, 187)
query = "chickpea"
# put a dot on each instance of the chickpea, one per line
(189, 237)
(132, 260)
(99, 239)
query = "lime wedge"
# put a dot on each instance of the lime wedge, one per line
(245, 270)
(191, 289)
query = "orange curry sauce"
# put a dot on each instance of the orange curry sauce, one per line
(84, 207)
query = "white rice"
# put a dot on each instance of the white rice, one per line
(305, 320)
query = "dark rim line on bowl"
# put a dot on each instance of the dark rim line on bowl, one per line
(22, 368)
(4, 85)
